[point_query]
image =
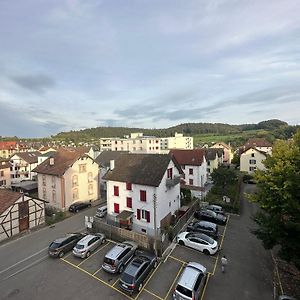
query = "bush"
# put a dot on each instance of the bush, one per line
(53, 215)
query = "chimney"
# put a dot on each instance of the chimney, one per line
(112, 164)
(51, 161)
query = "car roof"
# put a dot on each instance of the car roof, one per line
(86, 239)
(135, 265)
(189, 276)
(215, 206)
(60, 240)
(207, 224)
(115, 251)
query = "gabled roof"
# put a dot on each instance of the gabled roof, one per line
(5, 163)
(29, 157)
(7, 145)
(63, 160)
(105, 157)
(189, 157)
(257, 150)
(211, 153)
(8, 198)
(143, 169)
(222, 144)
(257, 142)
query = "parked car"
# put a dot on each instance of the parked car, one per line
(88, 244)
(216, 208)
(101, 211)
(118, 257)
(198, 241)
(77, 206)
(284, 297)
(211, 229)
(133, 277)
(191, 282)
(61, 246)
(211, 216)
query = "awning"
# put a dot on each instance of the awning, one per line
(124, 215)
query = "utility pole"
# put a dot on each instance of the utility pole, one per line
(155, 229)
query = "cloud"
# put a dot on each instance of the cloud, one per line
(38, 83)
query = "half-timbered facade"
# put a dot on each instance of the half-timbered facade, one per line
(19, 212)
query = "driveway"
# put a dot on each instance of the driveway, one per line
(250, 266)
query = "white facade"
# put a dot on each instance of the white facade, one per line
(177, 142)
(251, 160)
(167, 202)
(195, 175)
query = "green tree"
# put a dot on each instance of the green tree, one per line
(278, 196)
(223, 176)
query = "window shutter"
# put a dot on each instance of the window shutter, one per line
(148, 216)
(138, 215)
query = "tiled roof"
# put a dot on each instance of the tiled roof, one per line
(63, 160)
(143, 169)
(210, 153)
(189, 157)
(222, 144)
(7, 198)
(257, 142)
(29, 157)
(8, 145)
(105, 157)
(4, 164)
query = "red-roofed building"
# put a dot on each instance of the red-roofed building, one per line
(5, 179)
(7, 148)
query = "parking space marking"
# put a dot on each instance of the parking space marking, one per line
(95, 277)
(196, 251)
(174, 281)
(203, 293)
(93, 253)
(152, 294)
(181, 261)
(97, 271)
(116, 282)
(143, 288)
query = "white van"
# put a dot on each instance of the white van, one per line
(101, 211)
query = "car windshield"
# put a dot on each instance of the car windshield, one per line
(54, 245)
(184, 291)
(207, 239)
(79, 246)
(109, 261)
(127, 278)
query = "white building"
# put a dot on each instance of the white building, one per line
(67, 177)
(251, 160)
(142, 190)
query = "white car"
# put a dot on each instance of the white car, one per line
(198, 241)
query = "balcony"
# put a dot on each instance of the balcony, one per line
(170, 182)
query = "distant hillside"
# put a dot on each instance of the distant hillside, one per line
(191, 129)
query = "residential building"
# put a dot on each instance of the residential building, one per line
(66, 177)
(214, 158)
(228, 155)
(5, 179)
(178, 141)
(252, 160)
(194, 165)
(7, 149)
(260, 144)
(143, 191)
(19, 212)
(22, 165)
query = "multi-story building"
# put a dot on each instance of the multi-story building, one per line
(214, 158)
(252, 160)
(5, 179)
(66, 177)
(143, 191)
(228, 155)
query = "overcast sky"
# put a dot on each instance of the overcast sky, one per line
(145, 63)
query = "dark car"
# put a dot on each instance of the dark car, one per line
(77, 206)
(133, 277)
(211, 229)
(61, 246)
(216, 208)
(211, 216)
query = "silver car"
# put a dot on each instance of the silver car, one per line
(191, 282)
(88, 244)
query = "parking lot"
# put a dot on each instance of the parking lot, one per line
(160, 283)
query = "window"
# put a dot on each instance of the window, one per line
(170, 173)
(191, 181)
(145, 215)
(44, 193)
(53, 196)
(90, 177)
(183, 167)
(252, 154)
(129, 202)
(143, 195)
(44, 180)
(82, 168)
(1, 173)
(74, 180)
(90, 189)
(251, 169)
(53, 181)
(75, 194)
(116, 190)
(191, 171)
(116, 208)
(128, 186)
(252, 161)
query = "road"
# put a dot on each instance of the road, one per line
(250, 266)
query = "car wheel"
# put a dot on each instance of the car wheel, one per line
(88, 254)
(77, 210)
(181, 243)
(61, 254)
(140, 286)
(205, 251)
(121, 269)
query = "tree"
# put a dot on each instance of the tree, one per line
(279, 198)
(223, 176)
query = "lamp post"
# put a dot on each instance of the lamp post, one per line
(155, 229)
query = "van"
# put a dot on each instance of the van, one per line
(101, 211)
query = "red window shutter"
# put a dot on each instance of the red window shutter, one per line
(138, 214)
(116, 208)
(148, 216)
(116, 190)
(143, 195)
(129, 202)
(128, 186)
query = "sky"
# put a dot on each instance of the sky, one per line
(74, 64)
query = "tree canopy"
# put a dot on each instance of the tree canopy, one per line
(279, 197)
